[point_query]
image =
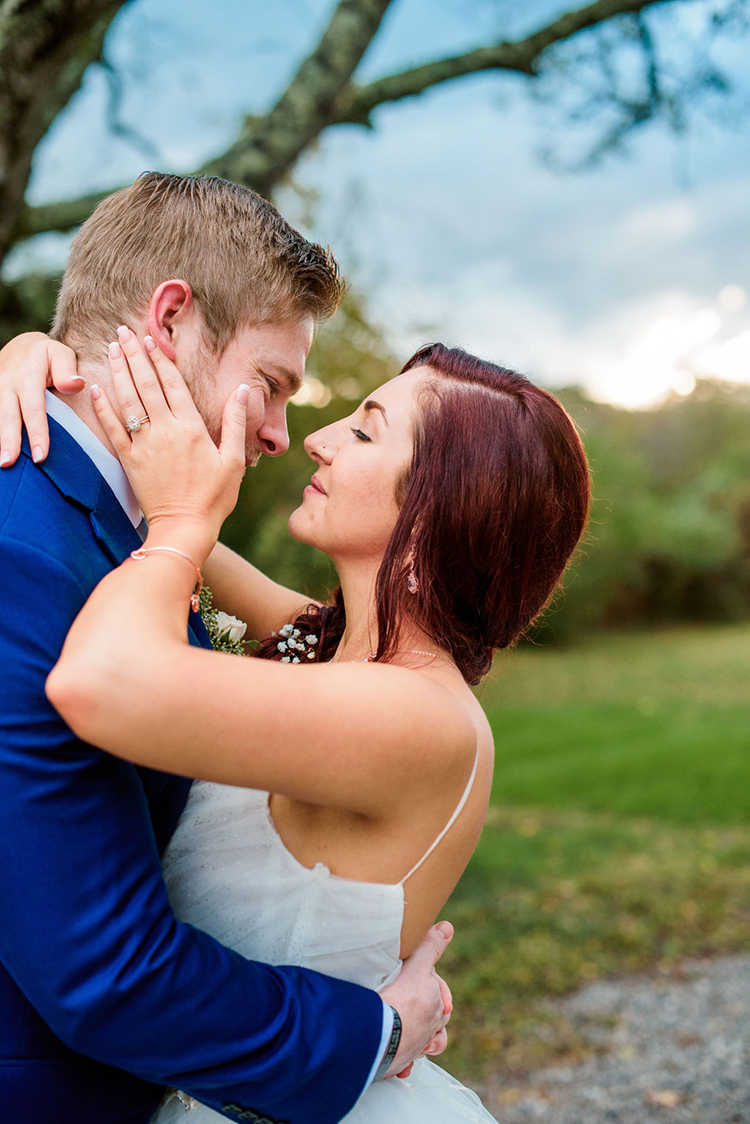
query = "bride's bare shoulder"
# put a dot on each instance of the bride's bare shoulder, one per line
(462, 714)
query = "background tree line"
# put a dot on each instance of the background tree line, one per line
(670, 529)
(669, 535)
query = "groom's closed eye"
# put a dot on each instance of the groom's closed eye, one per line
(285, 381)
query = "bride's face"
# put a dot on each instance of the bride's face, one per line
(350, 507)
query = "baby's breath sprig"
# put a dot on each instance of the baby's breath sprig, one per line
(295, 647)
(225, 633)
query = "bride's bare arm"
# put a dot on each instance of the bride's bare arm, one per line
(350, 736)
(246, 592)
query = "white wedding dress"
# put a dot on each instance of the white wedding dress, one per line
(229, 873)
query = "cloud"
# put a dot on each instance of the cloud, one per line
(453, 228)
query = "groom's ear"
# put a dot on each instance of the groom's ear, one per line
(171, 309)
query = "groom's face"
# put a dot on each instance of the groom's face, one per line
(270, 358)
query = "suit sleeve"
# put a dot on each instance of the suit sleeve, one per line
(88, 933)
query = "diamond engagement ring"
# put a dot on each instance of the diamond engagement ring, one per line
(133, 424)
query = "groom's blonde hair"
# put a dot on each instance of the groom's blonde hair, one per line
(244, 263)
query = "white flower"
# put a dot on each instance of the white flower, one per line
(226, 624)
(295, 645)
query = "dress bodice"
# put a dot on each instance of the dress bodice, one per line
(229, 873)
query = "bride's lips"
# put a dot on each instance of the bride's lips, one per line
(316, 486)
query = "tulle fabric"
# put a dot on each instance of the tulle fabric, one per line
(229, 873)
(428, 1096)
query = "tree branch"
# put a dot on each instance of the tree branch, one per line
(62, 216)
(268, 146)
(45, 47)
(265, 154)
(522, 57)
(321, 94)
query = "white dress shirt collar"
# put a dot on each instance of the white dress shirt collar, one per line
(95, 450)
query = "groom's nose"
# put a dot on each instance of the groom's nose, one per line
(273, 435)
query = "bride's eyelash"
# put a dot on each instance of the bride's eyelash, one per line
(361, 435)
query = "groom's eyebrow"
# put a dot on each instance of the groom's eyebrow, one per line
(371, 404)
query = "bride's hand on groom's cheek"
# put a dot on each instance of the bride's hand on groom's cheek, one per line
(29, 364)
(176, 470)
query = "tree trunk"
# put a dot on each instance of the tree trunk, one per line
(45, 47)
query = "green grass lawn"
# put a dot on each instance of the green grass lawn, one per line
(654, 724)
(618, 838)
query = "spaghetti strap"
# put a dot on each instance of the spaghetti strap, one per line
(459, 809)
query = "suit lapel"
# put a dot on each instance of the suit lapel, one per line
(116, 534)
(77, 477)
(67, 466)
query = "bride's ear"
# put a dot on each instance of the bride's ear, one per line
(170, 308)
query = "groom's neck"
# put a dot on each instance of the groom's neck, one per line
(95, 374)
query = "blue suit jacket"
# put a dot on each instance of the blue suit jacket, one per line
(104, 996)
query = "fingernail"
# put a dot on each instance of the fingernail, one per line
(78, 378)
(4, 458)
(445, 929)
(123, 334)
(114, 350)
(95, 392)
(243, 394)
(37, 453)
(149, 343)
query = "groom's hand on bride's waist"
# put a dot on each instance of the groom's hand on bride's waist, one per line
(423, 1002)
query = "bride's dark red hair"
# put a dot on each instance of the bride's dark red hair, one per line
(492, 507)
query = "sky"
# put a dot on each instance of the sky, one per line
(630, 279)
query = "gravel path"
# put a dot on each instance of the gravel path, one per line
(678, 1053)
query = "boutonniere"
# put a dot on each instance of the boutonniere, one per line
(225, 633)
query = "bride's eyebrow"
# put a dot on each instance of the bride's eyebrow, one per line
(371, 404)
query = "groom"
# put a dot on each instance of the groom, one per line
(105, 997)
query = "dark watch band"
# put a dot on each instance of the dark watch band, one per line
(393, 1046)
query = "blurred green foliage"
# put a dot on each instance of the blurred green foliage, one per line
(27, 305)
(669, 536)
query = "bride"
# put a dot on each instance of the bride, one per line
(345, 774)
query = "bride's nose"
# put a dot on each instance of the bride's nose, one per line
(320, 446)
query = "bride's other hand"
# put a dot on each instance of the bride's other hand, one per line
(29, 364)
(178, 474)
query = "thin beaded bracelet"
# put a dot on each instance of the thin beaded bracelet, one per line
(195, 597)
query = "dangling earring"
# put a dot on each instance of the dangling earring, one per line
(411, 579)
